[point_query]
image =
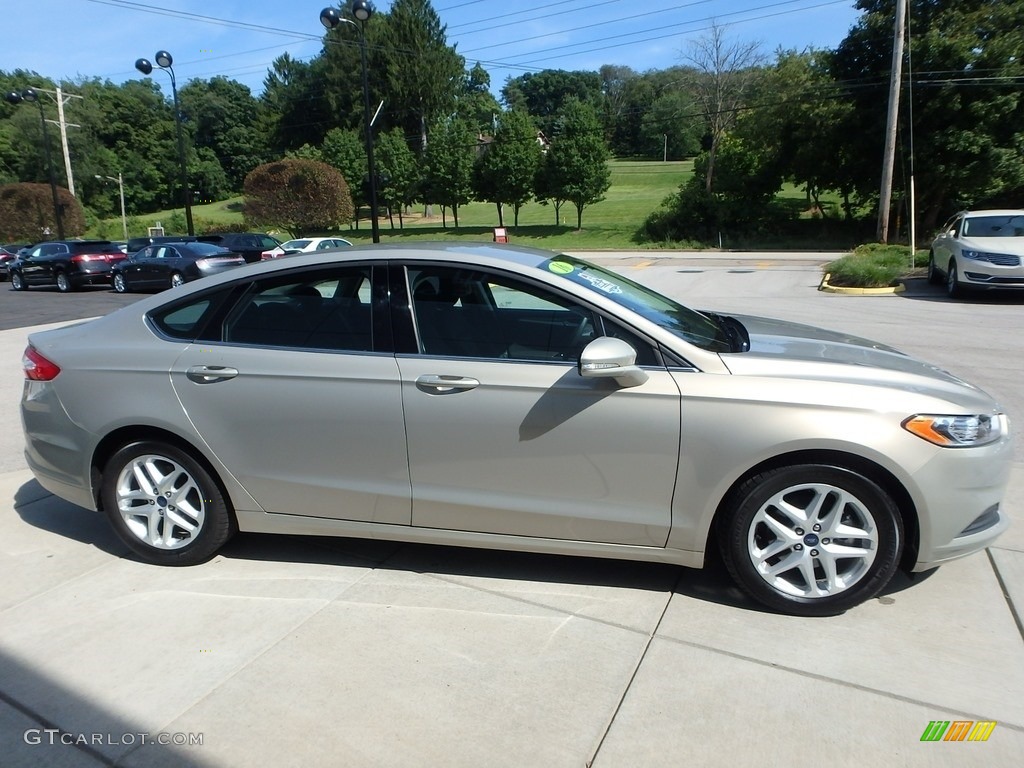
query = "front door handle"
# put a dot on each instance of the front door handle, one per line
(443, 385)
(210, 374)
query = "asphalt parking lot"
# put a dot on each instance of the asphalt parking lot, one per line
(323, 652)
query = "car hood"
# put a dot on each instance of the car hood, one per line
(794, 350)
(1009, 245)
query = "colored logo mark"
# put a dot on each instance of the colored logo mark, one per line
(958, 730)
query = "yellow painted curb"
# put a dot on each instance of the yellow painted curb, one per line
(824, 286)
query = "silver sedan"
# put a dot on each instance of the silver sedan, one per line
(494, 396)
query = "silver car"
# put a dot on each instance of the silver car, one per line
(494, 396)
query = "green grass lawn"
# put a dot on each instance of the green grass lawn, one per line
(637, 189)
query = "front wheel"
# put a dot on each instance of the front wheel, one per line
(18, 282)
(164, 505)
(811, 540)
(953, 287)
(934, 278)
(120, 284)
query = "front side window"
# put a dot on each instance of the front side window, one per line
(325, 309)
(474, 313)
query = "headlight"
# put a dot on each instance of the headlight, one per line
(977, 255)
(958, 431)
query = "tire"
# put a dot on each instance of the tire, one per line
(18, 282)
(934, 278)
(953, 288)
(775, 553)
(63, 283)
(149, 484)
(120, 284)
(177, 279)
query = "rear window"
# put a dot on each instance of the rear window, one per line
(95, 246)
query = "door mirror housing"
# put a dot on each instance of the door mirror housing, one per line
(610, 358)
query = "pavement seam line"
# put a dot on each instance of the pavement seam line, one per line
(50, 725)
(536, 604)
(1006, 593)
(843, 683)
(632, 677)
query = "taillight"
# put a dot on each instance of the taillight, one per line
(37, 367)
(78, 258)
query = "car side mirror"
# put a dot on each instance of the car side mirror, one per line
(610, 358)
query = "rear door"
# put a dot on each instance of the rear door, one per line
(300, 397)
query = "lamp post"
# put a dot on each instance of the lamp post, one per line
(164, 61)
(331, 18)
(30, 95)
(120, 187)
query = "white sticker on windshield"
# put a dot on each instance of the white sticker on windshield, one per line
(600, 283)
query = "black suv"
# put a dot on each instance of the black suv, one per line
(250, 245)
(68, 264)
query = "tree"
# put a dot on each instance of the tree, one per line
(26, 212)
(346, 151)
(448, 166)
(542, 94)
(423, 73)
(474, 103)
(224, 118)
(672, 127)
(297, 195)
(506, 169)
(576, 166)
(397, 171)
(724, 74)
(968, 108)
(296, 104)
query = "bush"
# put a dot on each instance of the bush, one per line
(873, 265)
(26, 213)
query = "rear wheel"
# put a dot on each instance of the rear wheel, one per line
(63, 283)
(120, 285)
(18, 282)
(164, 505)
(177, 279)
(811, 540)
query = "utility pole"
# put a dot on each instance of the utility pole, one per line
(889, 156)
(62, 99)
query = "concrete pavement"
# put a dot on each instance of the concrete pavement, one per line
(322, 652)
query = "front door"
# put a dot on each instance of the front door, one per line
(504, 434)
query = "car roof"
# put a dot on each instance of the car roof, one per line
(993, 212)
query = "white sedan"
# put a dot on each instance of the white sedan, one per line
(979, 249)
(304, 245)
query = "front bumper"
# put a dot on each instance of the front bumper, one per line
(960, 507)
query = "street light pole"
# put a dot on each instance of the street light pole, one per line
(331, 18)
(164, 60)
(30, 95)
(120, 187)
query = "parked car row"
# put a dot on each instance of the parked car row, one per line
(155, 262)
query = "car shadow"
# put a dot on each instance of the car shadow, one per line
(712, 584)
(919, 289)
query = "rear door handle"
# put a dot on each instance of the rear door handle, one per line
(443, 385)
(210, 374)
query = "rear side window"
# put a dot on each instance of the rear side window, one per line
(187, 321)
(321, 310)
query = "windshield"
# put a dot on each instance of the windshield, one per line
(295, 244)
(689, 325)
(994, 226)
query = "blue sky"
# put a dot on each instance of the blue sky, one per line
(103, 38)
